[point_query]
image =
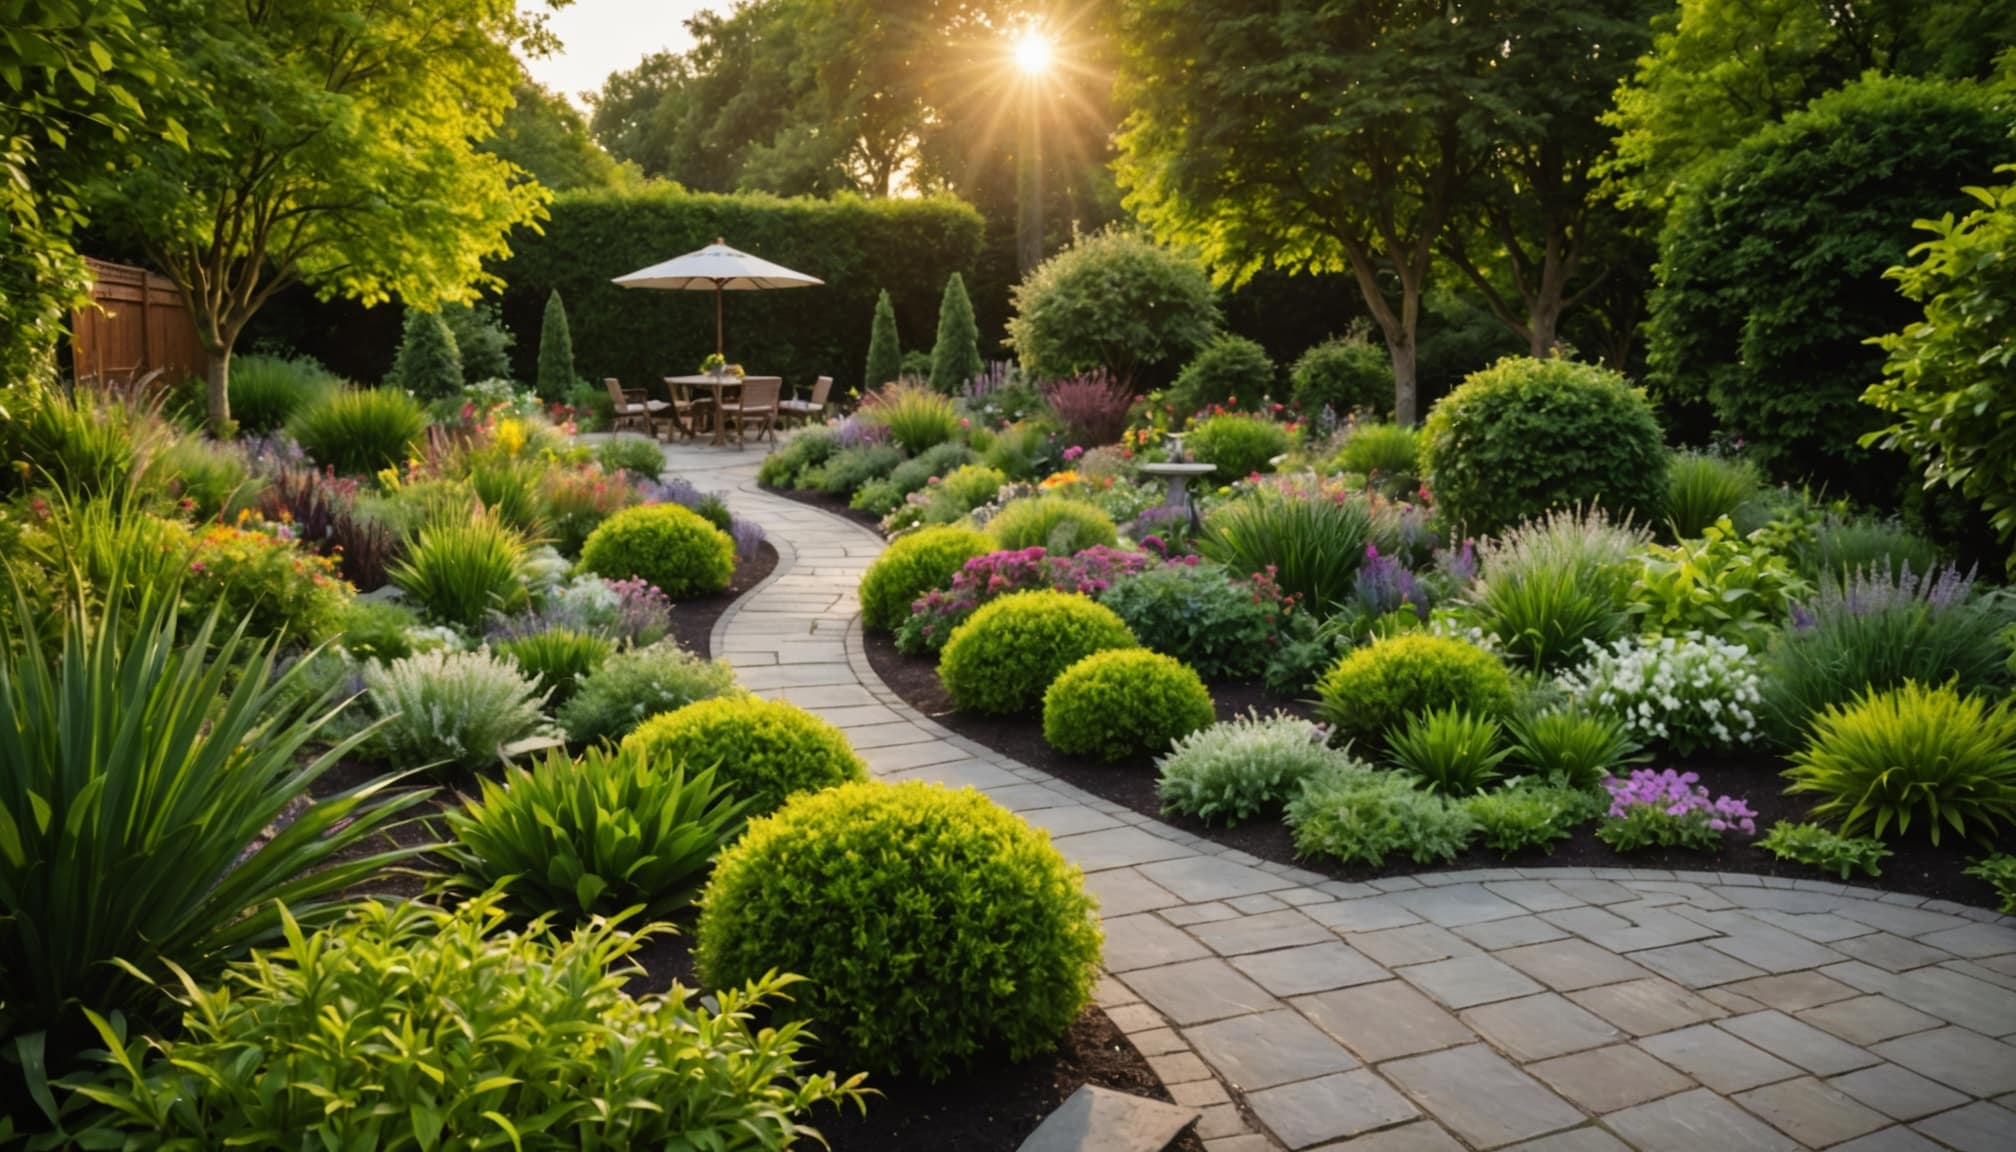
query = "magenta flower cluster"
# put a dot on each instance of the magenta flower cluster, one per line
(997, 574)
(1681, 796)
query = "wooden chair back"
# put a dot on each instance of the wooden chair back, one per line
(821, 388)
(760, 396)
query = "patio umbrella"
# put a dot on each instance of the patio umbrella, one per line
(718, 268)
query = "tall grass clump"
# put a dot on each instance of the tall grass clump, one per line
(1387, 455)
(84, 443)
(1556, 583)
(460, 569)
(266, 391)
(1841, 545)
(917, 418)
(1314, 541)
(1701, 489)
(358, 432)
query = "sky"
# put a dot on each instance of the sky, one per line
(603, 36)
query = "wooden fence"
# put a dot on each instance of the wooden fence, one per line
(135, 324)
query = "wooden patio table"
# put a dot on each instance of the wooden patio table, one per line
(718, 386)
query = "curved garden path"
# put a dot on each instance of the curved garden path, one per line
(1557, 1009)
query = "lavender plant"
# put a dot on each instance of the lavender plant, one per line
(1670, 809)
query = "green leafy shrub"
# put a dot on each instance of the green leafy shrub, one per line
(762, 751)
(670, 547)
(1198, 614)
(809, 448)
(917, 418)
(1361, 817)
(1344, 375)
(1229, 370)
(1116, 704)
(1238, 444)
(1378, 687)
(1842, 545)
(170, 756)
(1057, 524)
(1702, 488)
(557, 658)
(452, 711)
(428, 364)
(1514, 820)
(1314, 544)
(934, 928)
(1823, 848)
(1722, 584)
(481, 339)
(271, 584)
(1999, 870)
(1524, 436)
(1022, 451)
(911, 566)
(639, 457)
(461, 569)
(968, 487)
(519, 1037)
(1911, 753)
(1245, 766)
(850, 468)
(555, 374)
(1571, 746)
(1450, 751)
(1112, 300)
(885, 496)
(631, 687)
(1388, 455)
(594, 836)
(213, 479)
(377, 630)
(266, 391)
(360, 431)
(1005, 655)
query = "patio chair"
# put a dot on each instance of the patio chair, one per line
(634, 408)
(756, 408)
(686, 409)
(805, 411)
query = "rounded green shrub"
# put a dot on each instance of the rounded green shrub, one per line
(912, 566)
(1231, 370)
(1003, 658)
(673, 548)
(1524, 436)
(765, 751)
(1383, 684)
(1113, 300)
(1057, 524)
(358, 432)
(934, 928)
(1120, 703)
(633, 686)
(266, 391)
(1386, 454)
(971, 485)
(1345, 376)
(1239, 445)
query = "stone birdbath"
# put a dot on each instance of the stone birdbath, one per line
(1177, 472)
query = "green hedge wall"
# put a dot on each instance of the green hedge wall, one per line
(639, 335)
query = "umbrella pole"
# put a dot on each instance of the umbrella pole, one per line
(717, 321)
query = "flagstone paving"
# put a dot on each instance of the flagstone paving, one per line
(1538, 1009)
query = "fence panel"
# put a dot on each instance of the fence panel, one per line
(137, 323)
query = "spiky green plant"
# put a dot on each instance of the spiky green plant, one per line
(1451, 751)
(1314, 544)
(1572, 747)
(461, 569)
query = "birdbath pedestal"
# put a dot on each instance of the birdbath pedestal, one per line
(1178, 476)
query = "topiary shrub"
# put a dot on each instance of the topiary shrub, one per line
(765, 751)
(955, 355)
(1379, 686)
(1003, 658)
(673, 548)
(934, 928)
(1057, 524)
(885, 352)
(912, 566)
(1524, 436)
(1116, 704)
(1231, 370)
(1347, 375)
(1239, 445)
(1113, 300)
(556, 351)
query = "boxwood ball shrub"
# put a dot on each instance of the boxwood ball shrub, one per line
(1230, 370)
(1239, 445)
(933, 927)
(1383, 684)
(1344, 375)
(1058, 524)
(764, 751)
(1524, 435)
(1003, 658)
(912, 566)
(1112, 705)
(673, 548)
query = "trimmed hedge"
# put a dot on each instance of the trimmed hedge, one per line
(858, 247)
(1122, 702)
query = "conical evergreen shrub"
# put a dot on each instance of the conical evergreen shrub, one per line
(428, 364)
(556, 352)
(885, 356)
(955, 358)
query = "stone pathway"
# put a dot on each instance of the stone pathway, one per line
(1555, 1009)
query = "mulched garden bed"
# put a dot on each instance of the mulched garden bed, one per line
(1916, 868)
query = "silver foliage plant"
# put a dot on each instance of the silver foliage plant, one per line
(1237, 770)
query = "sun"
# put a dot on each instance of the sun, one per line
(1033, 52)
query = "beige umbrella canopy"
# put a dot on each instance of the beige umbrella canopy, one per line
(717, 268)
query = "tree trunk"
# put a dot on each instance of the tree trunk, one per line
(1543, 323)
(1406, 395)
(219, 390)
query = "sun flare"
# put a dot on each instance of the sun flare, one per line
(1033, 52)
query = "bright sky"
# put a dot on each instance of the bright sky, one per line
(603, 36)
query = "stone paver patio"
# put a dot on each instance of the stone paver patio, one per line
(1547, 1010)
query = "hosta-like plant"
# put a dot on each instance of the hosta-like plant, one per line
(594, 836)
(1912, 755)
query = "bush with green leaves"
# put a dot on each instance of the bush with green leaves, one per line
(911, 566)
(211, 479)
(1125, 702)
(1229, 371)
(481, 339)
(1360, 817)
(884, 496)
(1058, 524)
(1570, 746)
(1820, 847)
(359, 431)
(450, 711)
(1722, 584)
(1554, 584)
(594, 836)
(1523, 819)
(1313, 542)
(1999, 870)
(1225, 629)
(377, 630)
(460, 569)
(1525, 436)
(1911, 755)
(555, 373)
(558, 658)
(632, 686)
(1238, 444)
(266, 391)
(1702, 488)
(1691, 693)
(1387, 455)
(1452, 752)
(1024, 451)
(1245, 767)
(762, 751)
(672, 548)
(806, 449)
(1843, 544)
(519, 1036)
(171, 756)
(1345, 375)
(917, 418)
(1114, 300)
(1377, 687)
(639, 456)
(935, 928)
(849, 468)
(1004, 656)
(428, 364)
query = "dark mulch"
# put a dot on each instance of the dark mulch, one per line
(1917, 868)
(693, 620)
(834, 504)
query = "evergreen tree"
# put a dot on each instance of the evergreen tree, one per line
(885, 356)
(482, 340)
(428, 364)
(556, 353)
(955, 358)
